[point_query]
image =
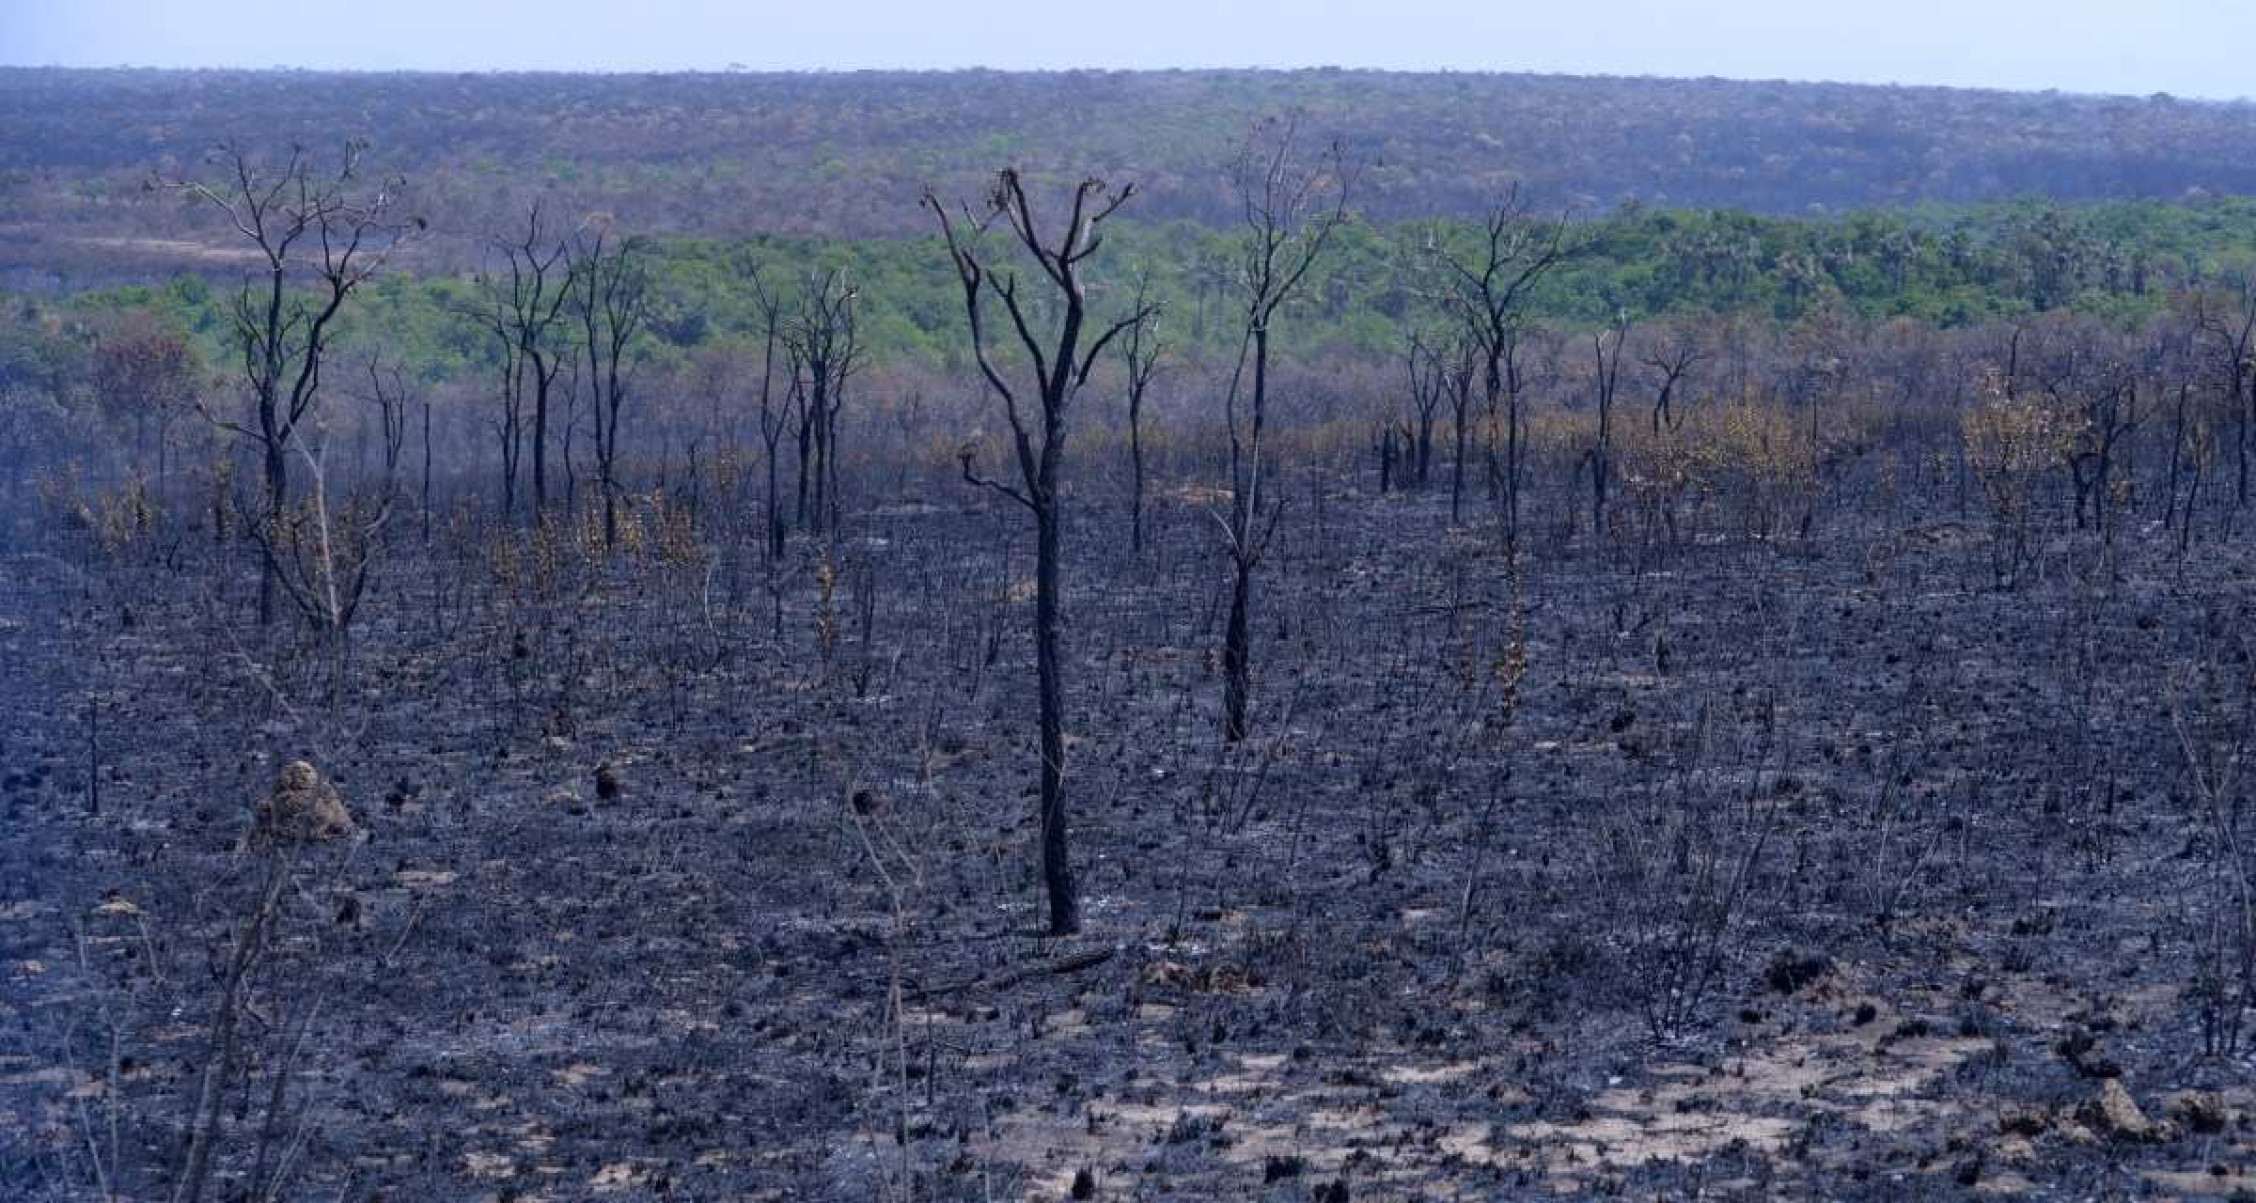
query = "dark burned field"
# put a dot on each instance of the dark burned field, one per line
(1801, 869)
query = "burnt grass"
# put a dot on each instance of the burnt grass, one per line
(1813, 867)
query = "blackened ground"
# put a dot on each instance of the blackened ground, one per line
(1807, 869)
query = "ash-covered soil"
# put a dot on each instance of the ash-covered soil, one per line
(1815, 868)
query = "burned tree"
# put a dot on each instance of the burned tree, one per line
(611, 299)
(326, 550)
(2225, 315)
(524, 304)
(1518, 351)
(1057, 361)
(2092, 389)
(1668, 364)
(1487, 288)
(1428, 384)
(318, 236)
(824, 344)
(773, 420)
(1139, 360)
(1290, 210)
(1606, 352)
(1457, 387)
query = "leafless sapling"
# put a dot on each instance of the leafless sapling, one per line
(1291, 209)
(1140, 350)
(1606, 352)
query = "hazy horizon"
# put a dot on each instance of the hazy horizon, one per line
(2183, 47)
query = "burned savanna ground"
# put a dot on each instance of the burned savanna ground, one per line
(1807, 861)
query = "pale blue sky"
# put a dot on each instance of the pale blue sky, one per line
(2188, 47)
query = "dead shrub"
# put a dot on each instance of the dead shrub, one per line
(2011, 443)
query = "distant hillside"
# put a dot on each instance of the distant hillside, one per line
(844, 154)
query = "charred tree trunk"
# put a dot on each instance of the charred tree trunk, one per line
(1049, 673)
(1058, 362)
(277, 496)
(1136, 481)
(1245, 555)
(1139, 354)
(1237, 657)
(540, 451)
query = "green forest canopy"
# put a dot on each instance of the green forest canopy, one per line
(1947, 267)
